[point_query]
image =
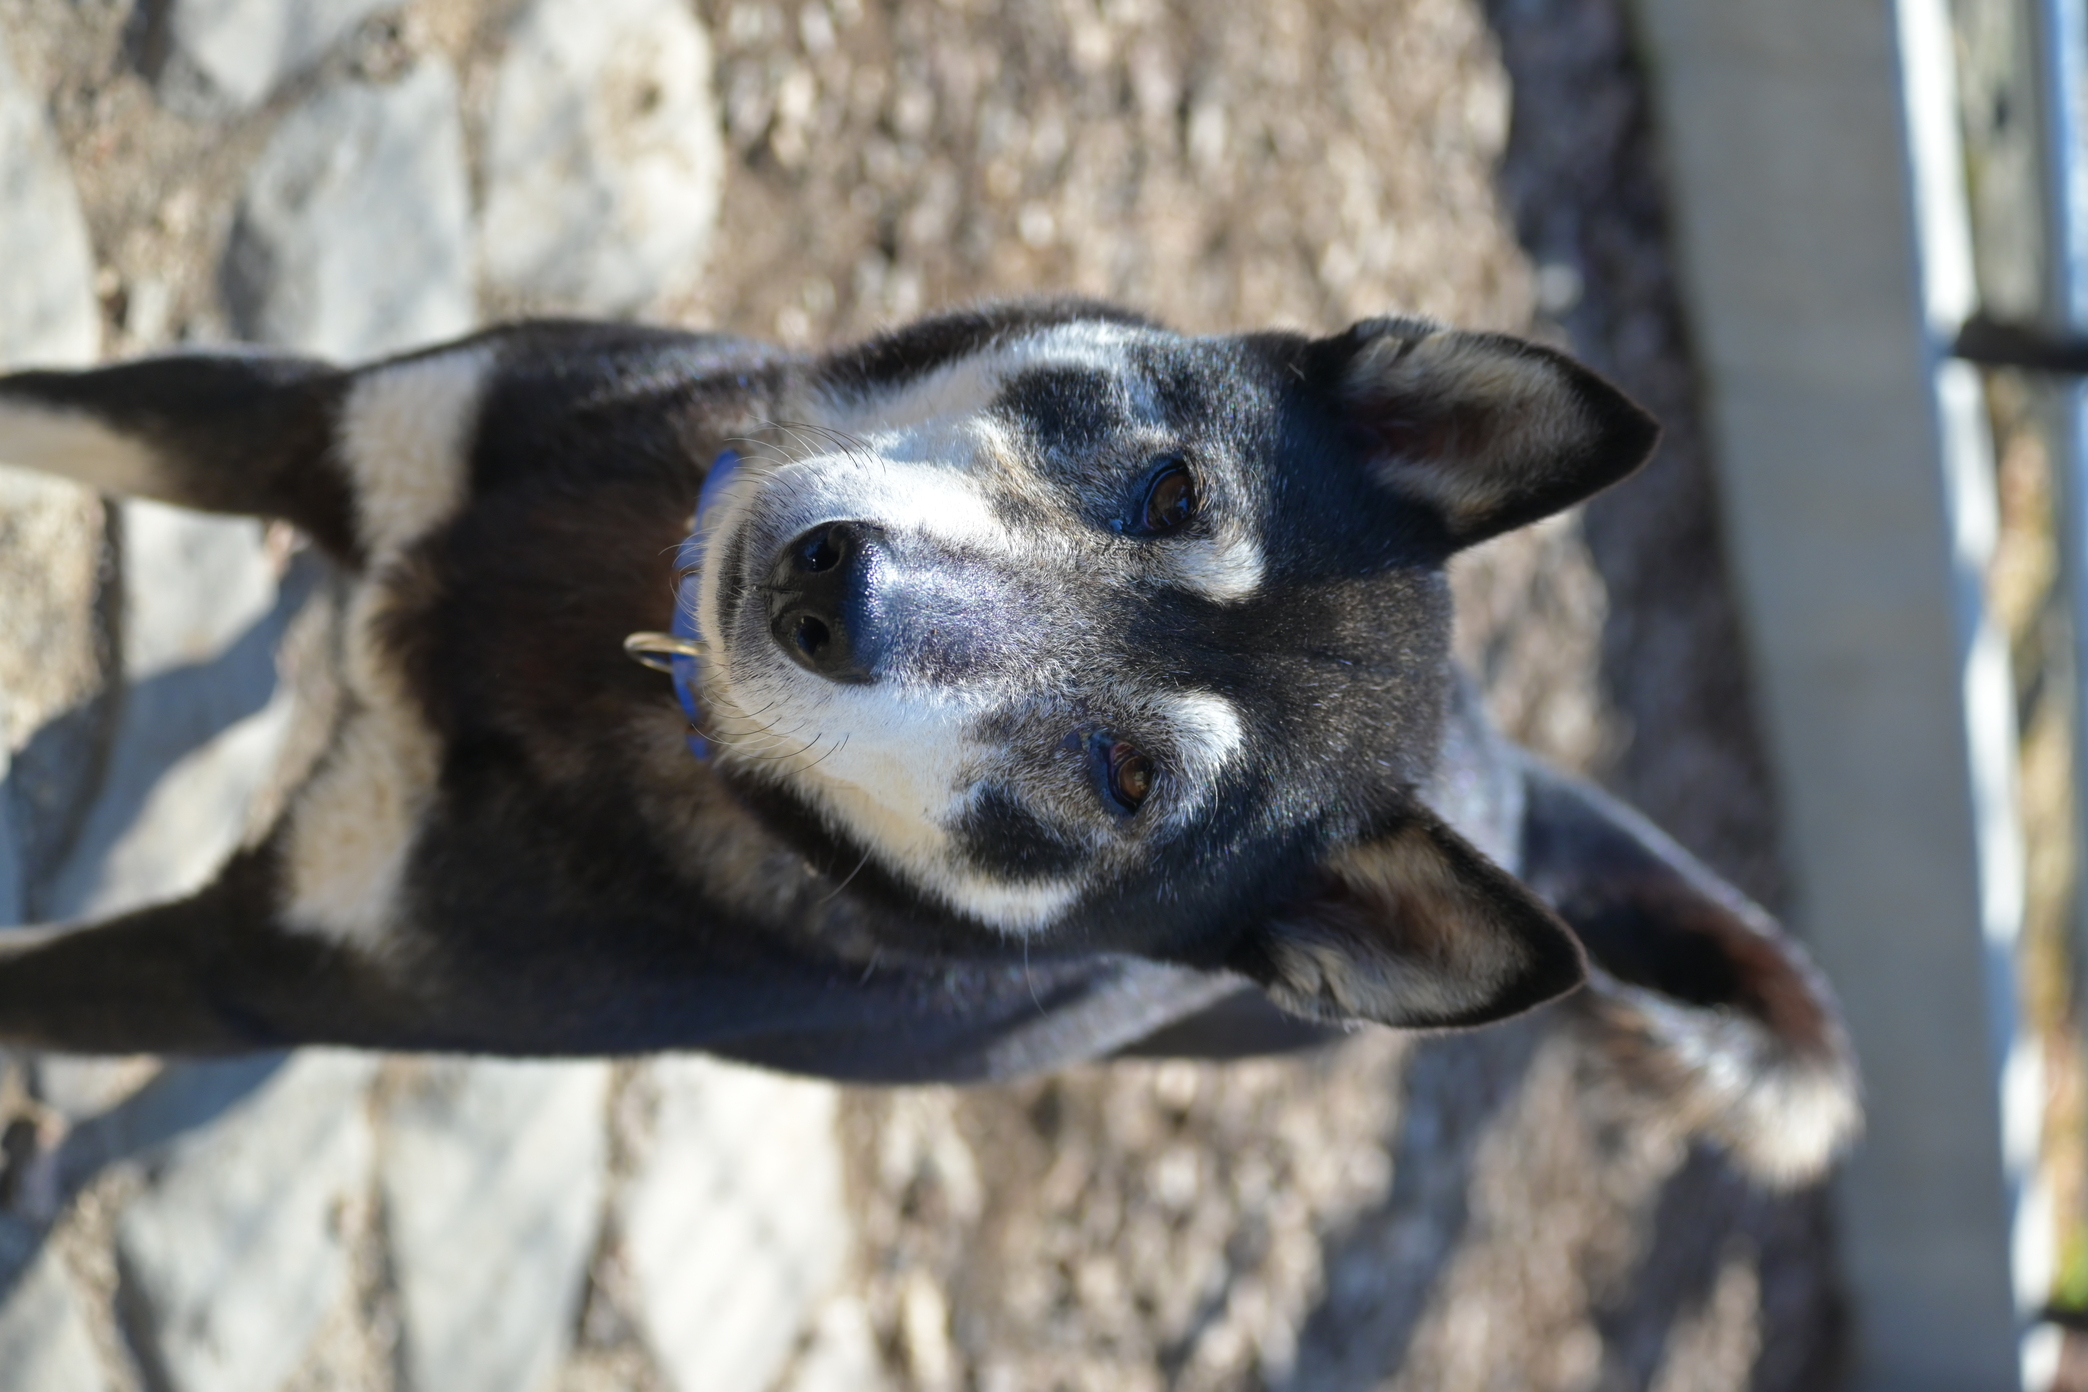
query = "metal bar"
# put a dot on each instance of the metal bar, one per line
(2029, 347)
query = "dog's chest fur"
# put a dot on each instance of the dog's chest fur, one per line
(500, 542)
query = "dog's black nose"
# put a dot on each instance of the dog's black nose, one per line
(822, 600)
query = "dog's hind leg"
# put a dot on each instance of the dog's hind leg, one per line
(1699, 989)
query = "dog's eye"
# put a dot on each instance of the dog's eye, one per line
(1126, 771)
(1170, 497)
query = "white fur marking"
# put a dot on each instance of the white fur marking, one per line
(404, 430)
(1206, 730)
(74, 445)
(354, 824)
(905, 492)
(1015, 909)
(895, 781)
(967, 385)
(941, 417)
(1228, 569)
(1784, 1112)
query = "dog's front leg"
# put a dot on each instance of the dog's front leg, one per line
(210, 973)
(247, 432)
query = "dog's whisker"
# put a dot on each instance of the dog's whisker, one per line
(824, 757)
(835, 893)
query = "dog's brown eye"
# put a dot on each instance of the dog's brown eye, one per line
(1170, 498)
(1130, 774)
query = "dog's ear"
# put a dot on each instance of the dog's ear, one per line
(1487, 431)
(1412, 927)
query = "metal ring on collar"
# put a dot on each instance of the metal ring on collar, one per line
(658, 650)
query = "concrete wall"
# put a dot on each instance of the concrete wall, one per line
(1812, 156)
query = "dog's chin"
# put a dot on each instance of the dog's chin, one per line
(756, 744)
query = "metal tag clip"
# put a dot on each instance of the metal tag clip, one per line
(658, 650)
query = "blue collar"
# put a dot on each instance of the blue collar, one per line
(686, 667)
(679, 652)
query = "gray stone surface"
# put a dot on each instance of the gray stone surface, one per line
(841, 1355)
(248, 47)
(201, 720)
(54, 660)
(603, 156)
(47, 316)
(493, 1175)
(47, 308)
(353, 238)
(734, 1225)
(80, 1087)
(44, 1342)
(180, 1099)
(233, 1254)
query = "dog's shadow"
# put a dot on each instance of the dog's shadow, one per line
(181, 752)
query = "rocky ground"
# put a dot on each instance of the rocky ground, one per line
(354, 176)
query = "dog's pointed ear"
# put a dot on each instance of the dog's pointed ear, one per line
(1487, 431)
(1412, 927)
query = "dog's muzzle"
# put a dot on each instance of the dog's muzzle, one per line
(824, 600)
(854, 603)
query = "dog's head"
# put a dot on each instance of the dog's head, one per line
(1075, 628)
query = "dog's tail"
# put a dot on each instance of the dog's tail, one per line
(1698, 992)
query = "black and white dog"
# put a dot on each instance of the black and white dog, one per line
(1042, 680)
